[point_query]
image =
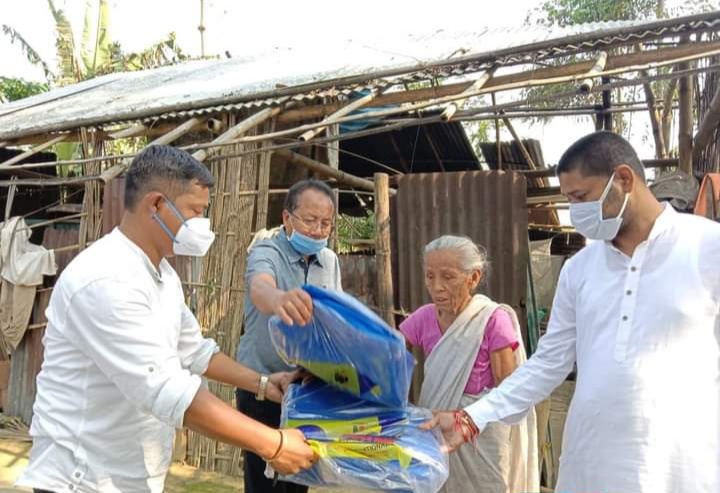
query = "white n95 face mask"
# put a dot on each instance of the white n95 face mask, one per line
(194, 237)
(587, 217)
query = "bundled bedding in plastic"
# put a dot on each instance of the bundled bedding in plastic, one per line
(348, 346)
(364, 445)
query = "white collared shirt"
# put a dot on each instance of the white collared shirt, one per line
(123, 359)
(645, 333)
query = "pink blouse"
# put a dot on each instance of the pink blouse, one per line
(422, 329)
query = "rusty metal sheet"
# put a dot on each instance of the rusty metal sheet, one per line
(487, 206)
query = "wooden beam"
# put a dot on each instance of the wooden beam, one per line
(325, 170)
(345, 110)
(707, 127)
(577, 69)
(523, 150)
(453, 107)
(239, 129)
(685, 123)
(385, 300)
(31, 152)
(599, 66)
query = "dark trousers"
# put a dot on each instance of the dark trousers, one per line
(267, 413)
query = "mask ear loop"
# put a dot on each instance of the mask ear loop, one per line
(162, 224)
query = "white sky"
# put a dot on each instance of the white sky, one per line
(252, 26)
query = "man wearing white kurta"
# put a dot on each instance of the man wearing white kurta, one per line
(637, 311)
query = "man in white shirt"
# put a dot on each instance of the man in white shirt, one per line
(124, 355)
(638, 311)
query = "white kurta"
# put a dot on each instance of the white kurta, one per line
(645, 333)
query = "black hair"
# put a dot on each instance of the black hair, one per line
(163, 168)
(291, 200)
(598, 154)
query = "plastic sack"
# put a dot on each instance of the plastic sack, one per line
(362, 445)
(348, 346)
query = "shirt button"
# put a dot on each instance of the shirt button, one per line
(71, 487)
(151, 369)
(624, 318)
(628, 292)
(77, 474)
(633, 268)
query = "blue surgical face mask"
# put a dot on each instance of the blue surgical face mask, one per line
(304, 244)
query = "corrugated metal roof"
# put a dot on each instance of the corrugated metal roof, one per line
(270, 78)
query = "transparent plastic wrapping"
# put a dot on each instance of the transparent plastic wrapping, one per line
(362, 445)
(348, 346)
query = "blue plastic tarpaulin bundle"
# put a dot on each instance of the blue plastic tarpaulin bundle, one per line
(364, 445)
(348, 346)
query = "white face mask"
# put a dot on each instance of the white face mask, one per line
(587, 217)
(194, 236)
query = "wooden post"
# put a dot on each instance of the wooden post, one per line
(498, 142)
(382, 248)
(685, 124)
(707, 127)
(606, 104)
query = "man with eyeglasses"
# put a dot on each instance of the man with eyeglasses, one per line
(276, 271)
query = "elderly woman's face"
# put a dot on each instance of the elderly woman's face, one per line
(450, 287)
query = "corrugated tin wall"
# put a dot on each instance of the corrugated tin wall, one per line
(487, 206)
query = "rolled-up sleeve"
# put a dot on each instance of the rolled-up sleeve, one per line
(195, 350)
(114, 325)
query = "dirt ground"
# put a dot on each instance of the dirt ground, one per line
(182, 479)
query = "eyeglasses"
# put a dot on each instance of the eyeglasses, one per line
(323, 226)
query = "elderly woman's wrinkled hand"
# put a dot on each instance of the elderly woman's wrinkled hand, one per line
(452, 435)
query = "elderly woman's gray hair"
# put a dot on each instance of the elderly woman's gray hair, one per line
(471, 256)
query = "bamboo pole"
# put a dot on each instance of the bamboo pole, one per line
(483, 90)
(345, 110)
(460, 103)
(382, 248)
(707, 127)
(572, 70)
(119, 168)
(523, 149)
(234, 132)
(599, 66)
(178, 131)
(325, 170)
(685, 124)
(31, 152)
(131, 131)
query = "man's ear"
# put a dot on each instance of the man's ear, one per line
(626, 177)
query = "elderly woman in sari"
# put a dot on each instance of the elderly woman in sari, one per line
(471, 344)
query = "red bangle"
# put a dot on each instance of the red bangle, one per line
(465, 425)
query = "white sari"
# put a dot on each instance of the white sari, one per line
(506, 458)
